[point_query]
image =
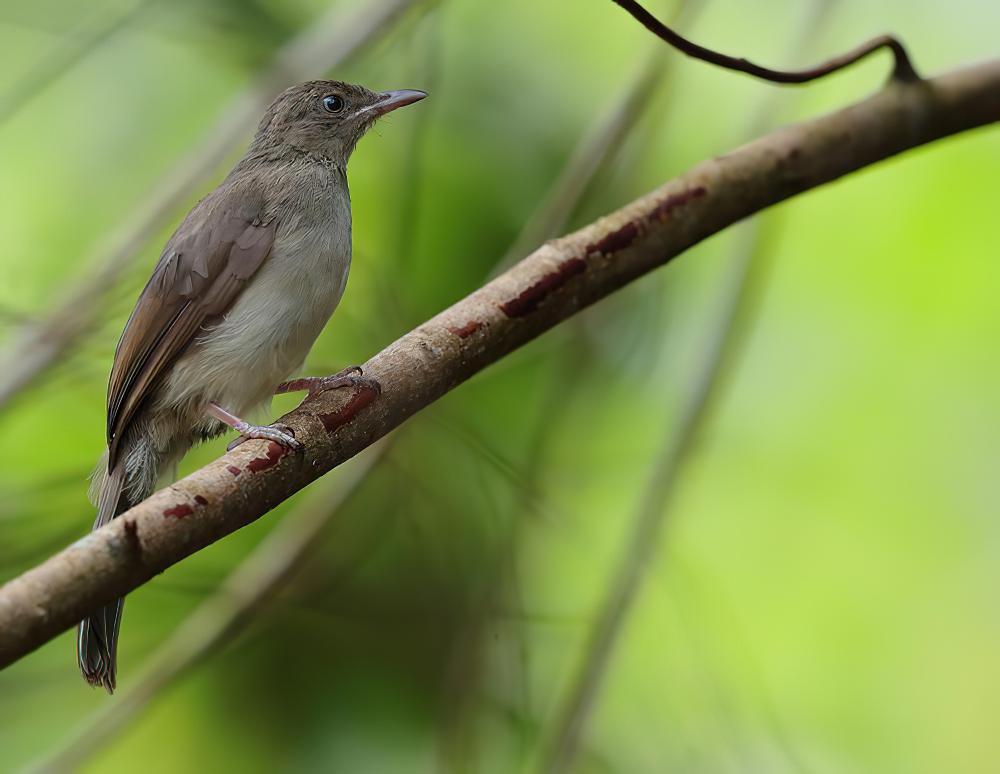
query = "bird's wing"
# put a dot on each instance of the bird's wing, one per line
(205, 265)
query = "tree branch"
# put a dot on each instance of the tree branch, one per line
(547, 287)
(902, 71)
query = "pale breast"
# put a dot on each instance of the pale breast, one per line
(266, 335)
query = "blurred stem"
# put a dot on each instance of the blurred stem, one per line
(393, 277)
(596, 150)
(720, 350)
(429, 71)
(251, 586)
(11, 316)
(66, 52)
(737, 310)
(321, 46)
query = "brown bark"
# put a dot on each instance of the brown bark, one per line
(552, 284)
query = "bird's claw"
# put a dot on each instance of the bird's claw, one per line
(352, 376)
(280, 434)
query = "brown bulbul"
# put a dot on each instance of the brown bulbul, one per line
(239, 295)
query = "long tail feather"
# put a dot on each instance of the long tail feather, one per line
(97, 646)
(97, 636)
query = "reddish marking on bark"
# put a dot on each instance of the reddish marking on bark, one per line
(200, 500)
(663, 210)
(466, 330)
(179, 511)
(529, 299)
(132, 535)
(275, 451)
(616, 240)
(234, 470)
(334, 419)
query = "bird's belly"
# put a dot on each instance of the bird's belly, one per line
(266, 335)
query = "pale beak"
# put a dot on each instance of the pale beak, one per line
(390, 100)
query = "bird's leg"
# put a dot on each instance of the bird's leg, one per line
(349, 377)
(278, 433)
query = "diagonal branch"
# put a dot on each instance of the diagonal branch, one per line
(322, 46)
(903, 69)
(547, 287)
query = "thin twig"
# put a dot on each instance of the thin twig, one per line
(254, 582)
(734, 317)
(332, 40)
(903, 69)
(546, 288)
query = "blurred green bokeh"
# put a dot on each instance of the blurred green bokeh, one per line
(825, 596)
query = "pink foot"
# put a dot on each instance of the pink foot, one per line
(278, 433)
(314, 385)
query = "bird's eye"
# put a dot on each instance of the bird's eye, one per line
(333, 104)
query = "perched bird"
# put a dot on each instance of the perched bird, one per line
(239, 295)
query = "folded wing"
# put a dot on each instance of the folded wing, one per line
(204, 267)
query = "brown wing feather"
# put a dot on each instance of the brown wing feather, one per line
(205, 265)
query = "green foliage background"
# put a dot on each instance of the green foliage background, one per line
(824, 598)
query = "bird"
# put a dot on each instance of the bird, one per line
(239, 294)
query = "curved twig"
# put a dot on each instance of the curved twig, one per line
(549, 286)
(902, 71)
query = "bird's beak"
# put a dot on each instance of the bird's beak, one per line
(390, 100)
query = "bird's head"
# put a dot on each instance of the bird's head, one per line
(326, 118)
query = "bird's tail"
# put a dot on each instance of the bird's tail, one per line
(113, 491)
(97, 645)
(97, 635)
